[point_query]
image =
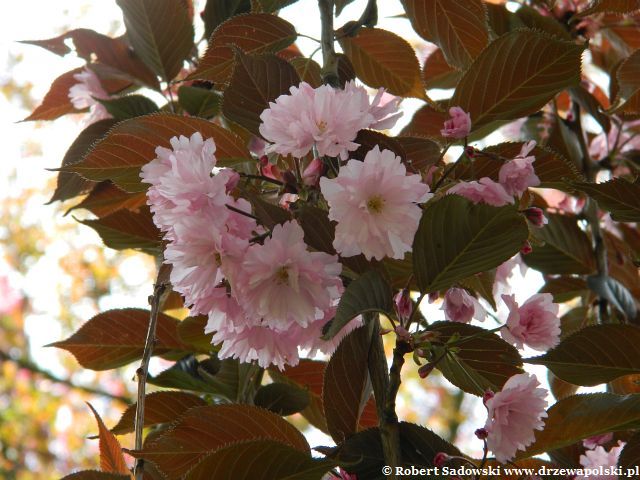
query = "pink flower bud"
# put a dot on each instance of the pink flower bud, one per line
(536, 216)
(402, 333)
(425, 370)
(404, 306)
(458, 126)
(440, 459)
(311, 175)
(482, 433)
(526, 248)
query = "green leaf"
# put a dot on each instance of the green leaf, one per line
(437, 73)
(308, 70)
(426, 122)
(481, 238)
(71, 184)
(159, 407)
(191, 332)
(532, 19)
(384, 59)
(282, 398)
(199, 102)
(484, 361)
(160, 32)
(346, 384)
(614, 292)
(459, 28)
(591, 105)
(201, 431)
(253, 33)
(482, 285)
(256, 81)
(132, 143)
(575, 319)
(367, 293)
(217, 11)
(618, 196)
(363, 456)
(566, 249)
(128, 229)
(106, 198)
(308, 374)
(627, 98)
(129, 106)
(516, 75)
(420, 153)
(186, 374)
(259, 460)
(116, 337)
(594, 355)
(581, 416)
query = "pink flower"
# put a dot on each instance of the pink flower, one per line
(325, 117)
(383, 108)
(311, 175)
(599, 457)
(485, 190)
(84, 93)
(593, 442)
(461, 307)
(458, 126)
(374, 203)
(517, 175)
(284, 283)
(181, 180)
(513, 415)
(310, 337)
(535, 323)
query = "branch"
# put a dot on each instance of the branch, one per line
(143, 370)
(329, 58)
(590, 170)
(32, 367)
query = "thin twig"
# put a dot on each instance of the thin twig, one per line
(261, 177)
(142, 372)
(241, 212)
(33, 368)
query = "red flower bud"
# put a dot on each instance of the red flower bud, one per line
(403, 303)
(488, 395)
(440, 459)
(526, 248)
(482, 433)
(425, 370)
(536, 216)
(470, 151)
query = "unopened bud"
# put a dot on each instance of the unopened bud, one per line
(403, 303)
(440, 459)
(526, 248)
(425, 370)
(482, 433)
(470, 151)
(402, 333)
(536, 216)
(488, 395)
(311, 175)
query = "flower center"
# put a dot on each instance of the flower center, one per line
(282, 276)
(375, 204)
(322, 125)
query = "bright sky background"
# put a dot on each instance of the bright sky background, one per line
(30, 148)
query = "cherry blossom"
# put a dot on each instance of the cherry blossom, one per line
(484, 190)
(518, 174)
(535, 323)
(514, 414)
(592, 460)
(459, 125)
(375, 205)
(84, 94)
(461, 307)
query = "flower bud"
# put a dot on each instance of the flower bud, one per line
(488, 395)
(482, 433)
(458, 126)
(470, 151)
(425, 370)
(403, 303)
(536, 216)
(526, 248)
(440, 459)
(311, 175)
(402, 333)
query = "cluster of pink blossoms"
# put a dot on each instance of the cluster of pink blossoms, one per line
(514, 178)
(535, 323)
(288, 293)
